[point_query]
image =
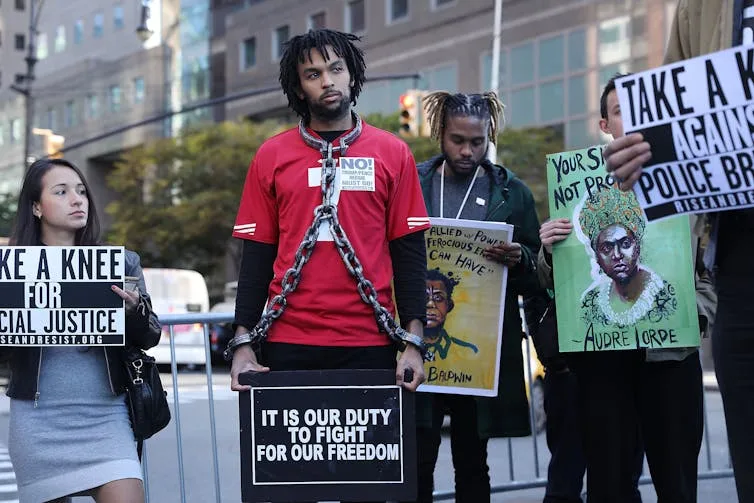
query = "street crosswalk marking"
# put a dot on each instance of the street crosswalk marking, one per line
(8, 488)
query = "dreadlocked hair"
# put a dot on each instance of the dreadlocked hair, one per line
(299, 48)
(439, 105)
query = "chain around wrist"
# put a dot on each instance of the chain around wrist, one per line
(239, 340)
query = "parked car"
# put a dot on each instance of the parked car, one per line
(221, 333)
(178, 291)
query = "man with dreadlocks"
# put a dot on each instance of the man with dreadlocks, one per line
(361, 186)
(462, 183)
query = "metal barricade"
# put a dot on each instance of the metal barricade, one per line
(513, 483)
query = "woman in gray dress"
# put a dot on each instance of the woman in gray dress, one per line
(69, 431)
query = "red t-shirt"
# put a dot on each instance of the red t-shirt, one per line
(378, 198)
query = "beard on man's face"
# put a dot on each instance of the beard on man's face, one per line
(466, 167)
(329, 113)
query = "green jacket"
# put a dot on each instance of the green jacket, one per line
(510, 201)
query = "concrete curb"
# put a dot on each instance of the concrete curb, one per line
(709, 381)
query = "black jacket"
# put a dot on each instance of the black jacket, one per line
(142, 330)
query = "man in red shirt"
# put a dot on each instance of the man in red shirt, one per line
(333, 176)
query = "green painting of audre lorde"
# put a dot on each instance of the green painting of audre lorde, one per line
(624, 291)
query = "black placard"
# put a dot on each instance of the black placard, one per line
(319, 435)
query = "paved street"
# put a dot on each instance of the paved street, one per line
(162, 453)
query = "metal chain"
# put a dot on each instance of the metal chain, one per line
(328, 212)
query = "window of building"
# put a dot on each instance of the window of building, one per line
(436, 4)
(551, 56)
(118, 22)
(440, 77)
(279, 38)
(486, 72)
(638, 26)
(614, 42)
(523, 107)
(69, 114)
(52, 118)
(355, 16)
(92, 106)
(396, 10)
(139, 90)
(522, 62)
(577, 95)
(577, 50)
(551, 101)
(78, 32)
(608, 72)
(60, 39)
(99, 25)
(20, 4)
(248, 53)
(579, 134)
(116, 98)
(42, 46)
(20, 41)
(318, 21)
(16, 127)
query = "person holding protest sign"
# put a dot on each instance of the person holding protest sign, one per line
(702, 27)
(69, 430)
(465, 124)
(656, 400)
(373, 198)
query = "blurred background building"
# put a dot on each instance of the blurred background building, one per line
(95, 74)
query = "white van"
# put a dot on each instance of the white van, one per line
(178, 291)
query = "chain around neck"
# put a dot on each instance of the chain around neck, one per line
(323, 146)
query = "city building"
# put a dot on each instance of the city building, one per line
(556, 54)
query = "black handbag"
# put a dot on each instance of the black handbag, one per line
(147, 402)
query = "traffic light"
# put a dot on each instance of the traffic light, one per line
(53, 143)
(410, 103)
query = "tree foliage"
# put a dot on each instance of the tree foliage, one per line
(8, 205)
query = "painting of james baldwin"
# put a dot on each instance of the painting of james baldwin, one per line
(439, 305)
(625, 291)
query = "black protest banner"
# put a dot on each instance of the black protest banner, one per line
(698, 118)
(323, 435)
(58, 296)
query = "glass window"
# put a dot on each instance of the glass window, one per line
(69, 114)
(577, 50)
(139, 90)
(398, 9)
(52, 118)
(577, 95)
(609, 34)
(115, 98)
(441, 77)
(609, 71)
(279, 39)
(522, 107)
(551, 57)
(60, 39)
(486, 72)
(522, 60)
(20, 41)
(442, 3)
(249, 53)
(92, 106)
(318, 21)
(20, 4)
(99, 25)
(118, 22)
(42, 46)
(579, 134)
(15, 130)
(356, 16)
(78, 32)
(551, 101)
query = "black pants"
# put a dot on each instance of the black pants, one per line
(733, 351)
(626, 402)
(472, 479)
(565, 473)
(279, 356)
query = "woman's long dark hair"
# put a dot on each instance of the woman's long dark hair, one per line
(27, 228)
(299, 48)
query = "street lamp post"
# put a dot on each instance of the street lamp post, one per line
(35, 8)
